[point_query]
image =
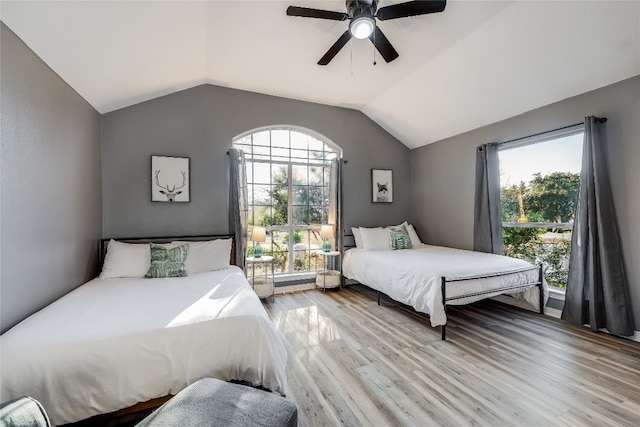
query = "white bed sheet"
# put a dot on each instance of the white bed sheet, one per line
(413, 276)
(113, 343)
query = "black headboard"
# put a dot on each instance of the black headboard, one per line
(349, 241)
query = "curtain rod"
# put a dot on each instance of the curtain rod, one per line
(597, 119)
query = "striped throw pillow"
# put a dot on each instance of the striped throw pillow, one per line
(399, 237)
(167, 262)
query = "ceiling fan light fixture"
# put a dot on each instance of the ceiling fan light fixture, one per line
(362, 27)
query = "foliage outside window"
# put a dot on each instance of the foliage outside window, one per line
(288, 172)
(538, 209)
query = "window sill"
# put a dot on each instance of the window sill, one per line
(556, 293)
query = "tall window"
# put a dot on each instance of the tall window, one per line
(288, 183)
(539, 183)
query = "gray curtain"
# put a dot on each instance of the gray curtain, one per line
(487, 221)
(335, 207)
(238, 204)
(597, 292)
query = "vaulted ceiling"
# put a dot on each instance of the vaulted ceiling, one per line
(476, 63)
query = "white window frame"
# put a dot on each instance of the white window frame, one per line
(536, 139)
(328, 146)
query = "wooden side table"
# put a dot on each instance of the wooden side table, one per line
(327, 279)
(265, 286)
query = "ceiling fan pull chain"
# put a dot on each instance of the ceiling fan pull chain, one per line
(374, 48)
(351, 55)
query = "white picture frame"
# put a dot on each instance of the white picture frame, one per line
(382, 185)
(170, 180)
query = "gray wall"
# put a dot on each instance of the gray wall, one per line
(201, 123)
(50, 177)
(443, 173)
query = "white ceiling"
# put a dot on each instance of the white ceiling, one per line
(476, 63)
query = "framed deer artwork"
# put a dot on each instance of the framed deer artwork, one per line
(169, 179)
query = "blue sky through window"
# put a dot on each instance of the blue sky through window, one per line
(557, 155)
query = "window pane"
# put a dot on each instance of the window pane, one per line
(300, 195)
(249, 170)
(250, 193)
(280, 138)
(299, 141)
(259, 215)
(244, 141)
(316, 155)
(261, 138)
(280, 153)
(317, 215)
(261, 173)
(299, 155)
(280, 252)
(301, 250)
(315, 144)
(261, 194)
(301, 215)
(261, 152)
(300, 175)
(279, 174)
(316, 175)
(315, 195)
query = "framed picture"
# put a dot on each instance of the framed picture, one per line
(169, 179)
(382, 185)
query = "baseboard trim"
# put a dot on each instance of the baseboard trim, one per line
(548, 311)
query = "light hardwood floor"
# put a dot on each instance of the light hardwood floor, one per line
(354, 363)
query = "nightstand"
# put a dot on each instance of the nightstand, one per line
(263, 286)
(327, 279)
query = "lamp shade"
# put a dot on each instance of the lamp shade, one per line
(258, 234)
(326, 231)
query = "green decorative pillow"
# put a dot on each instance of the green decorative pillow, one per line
(399, 237)
(167, 262)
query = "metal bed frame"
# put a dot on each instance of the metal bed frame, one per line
(445, 299)
(521, 287)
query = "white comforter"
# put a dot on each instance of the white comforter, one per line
(113, 343)
(413, 276)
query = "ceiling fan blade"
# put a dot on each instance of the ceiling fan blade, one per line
(306, 12)
(410, 8)
(381, 42)
(333, 50)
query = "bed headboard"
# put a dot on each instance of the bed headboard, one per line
(348, 242)
(102, 243)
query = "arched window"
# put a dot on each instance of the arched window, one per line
(288, 186)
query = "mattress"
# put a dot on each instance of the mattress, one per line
(413, 276)
(113, 343)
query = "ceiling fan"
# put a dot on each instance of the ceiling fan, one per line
(362, 14)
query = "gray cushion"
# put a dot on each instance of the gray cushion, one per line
(23, 412)
(211, 402)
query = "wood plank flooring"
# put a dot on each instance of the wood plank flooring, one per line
(354, 363)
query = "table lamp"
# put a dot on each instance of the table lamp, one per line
(258, 234)
(326, 232)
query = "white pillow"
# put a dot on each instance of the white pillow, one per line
(375, 239)
(415, 240)
(357, 237)
(208, 255)
(126, 260)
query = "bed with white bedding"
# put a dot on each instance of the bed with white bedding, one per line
(429, 278)
(112, 343)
